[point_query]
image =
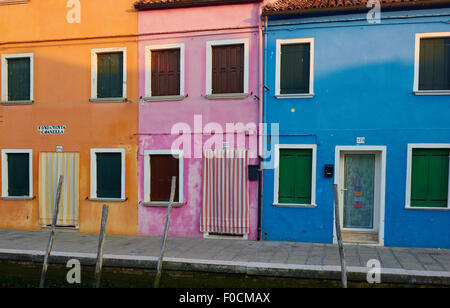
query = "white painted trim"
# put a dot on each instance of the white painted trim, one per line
(209, 46)
(4, 97)
(148, 66)
(147, 174)
(242, 237)
(278, 147)
(5, 152)
(412, 146)
(94, 53)
(94, 170)
(278, 67)
(420, 36)
(382, 186)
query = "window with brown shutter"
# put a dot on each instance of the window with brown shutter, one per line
(162, 168)
(165, 72)
(228, 69)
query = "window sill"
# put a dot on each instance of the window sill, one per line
(306, 95)
(227, 96)
(107, 199)
(428, 208)
(12, 103)
(109, 100)
(162, 204)
(305, 206)
(431, 92)
(18, 198)
(164, 98)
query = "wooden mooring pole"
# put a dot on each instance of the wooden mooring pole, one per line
(101, 245)
(52, 232)
(339, 237)
(166, 231)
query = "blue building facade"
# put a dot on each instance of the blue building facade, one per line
(364, 105)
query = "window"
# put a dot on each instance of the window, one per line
(160, 167)
(294, 68)
(17, 78)
(432, 69)
(109, 74)
(108, 174)
(164, 72)
(428, 176)
(295, 175)
(227, 69)
(17, 171)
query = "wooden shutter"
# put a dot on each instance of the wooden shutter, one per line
(228, 69)
(165, 72)
(429, 178)
(110, 75)
(109, 175)
(162, 168)
(18, 174)
(295, 68)
(19, 79)
(295, 176)
(434, 64)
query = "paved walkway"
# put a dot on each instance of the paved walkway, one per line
(285, 259)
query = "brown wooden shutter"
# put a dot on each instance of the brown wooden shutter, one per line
(165, 72)
(228, 69)
(162, 168)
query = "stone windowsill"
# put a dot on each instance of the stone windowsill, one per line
(107, 199)
(109, 100)
(162, 204)
(284, 96)
(12, 103)
(164, 98)
(305, 206)
(227, 96)
(18, 198)
(432, 92)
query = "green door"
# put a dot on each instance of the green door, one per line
(359, 191)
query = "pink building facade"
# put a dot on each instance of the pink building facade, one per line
(186, 108)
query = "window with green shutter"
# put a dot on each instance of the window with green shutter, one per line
(110, 75)
(18, 174)
(295, 68)
(109, 175)
(19, 79)
(429, 178)
(434, 64)
(295, 176)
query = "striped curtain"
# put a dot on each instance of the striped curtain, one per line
(51, 166)
(225, 206)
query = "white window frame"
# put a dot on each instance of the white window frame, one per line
(279, 147)
(148, 71)
(5, 153)
(209, 46)
(94, 152)
(94, 62)
(147, 176)
(279, 43)
(416, 89)
(411, 147)
(5, 58)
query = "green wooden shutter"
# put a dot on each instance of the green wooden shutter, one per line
(18, 174)
(434, 64)
(295, 69)
(19, 79)
(110, 75)
(295, 176)
(429, 178)
(109, 175)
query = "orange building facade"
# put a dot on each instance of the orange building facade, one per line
(68, 117)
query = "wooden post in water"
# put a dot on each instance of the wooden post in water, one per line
(166, 231)
(339, 237)
(52, 232)
(101, 244)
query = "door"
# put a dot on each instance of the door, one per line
(359, 192)
(51, 166)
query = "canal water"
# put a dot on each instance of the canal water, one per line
(27, 275)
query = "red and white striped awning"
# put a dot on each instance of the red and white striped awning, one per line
(225, 192)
